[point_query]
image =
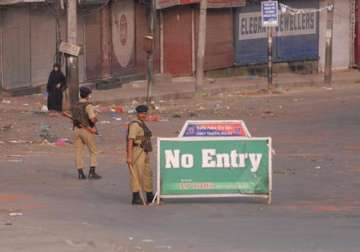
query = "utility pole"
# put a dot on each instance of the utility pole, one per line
(329, 42)
(149, 40)
(270, 60)
(105, 43)
(201, 45)
(72, 72)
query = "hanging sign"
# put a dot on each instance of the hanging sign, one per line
(70, 49)
(270, 13)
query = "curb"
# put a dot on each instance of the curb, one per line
(254, 89)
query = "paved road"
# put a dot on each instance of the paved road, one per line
(316, 204)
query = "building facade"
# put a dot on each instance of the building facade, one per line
(111, 37)
(112, 33)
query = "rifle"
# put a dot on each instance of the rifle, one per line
(91, 130)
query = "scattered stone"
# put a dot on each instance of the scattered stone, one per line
(6, 128)
(163, 247)
(45, 133)
(192, 114)
(104, 122)
(147, 240)
(16, 214)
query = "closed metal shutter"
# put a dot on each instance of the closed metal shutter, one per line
(93, 46)
(16, 47)
(219, 51)
(178, 40)
(43, 44)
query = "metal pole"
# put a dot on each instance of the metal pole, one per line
(150, 56)
(105, 43)
(72, 62)
(329, 41)
(201, 45)
(270, 65)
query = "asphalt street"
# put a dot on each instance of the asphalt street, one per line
(316, 200)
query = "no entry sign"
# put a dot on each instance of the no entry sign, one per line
(214, 167)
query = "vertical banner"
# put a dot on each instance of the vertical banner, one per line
(214, 167)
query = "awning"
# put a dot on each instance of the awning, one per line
(81, 2)
(161, 4)
(9, 2)
(92, 2)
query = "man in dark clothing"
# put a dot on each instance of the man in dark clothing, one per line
(55, 87)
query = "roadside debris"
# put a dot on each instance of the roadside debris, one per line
(193, 114)
(269, 113)
(45, 133)
(328, 88)
(61, 142)
(16, 214)
(118, 109)
(147, 240)
(19, 141)
(163, 247)
(44, 109)
(5, 101)
(104, 122)
(153, 118)
(6, 128)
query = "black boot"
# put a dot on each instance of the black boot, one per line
(136, 200)
(93, 174)
(81, 174)
(149, 197)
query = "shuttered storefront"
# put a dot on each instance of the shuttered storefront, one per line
(43, 44)
(178, 40)
(219, 52)
(296, 38)
(16, 47)
(93, 45)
